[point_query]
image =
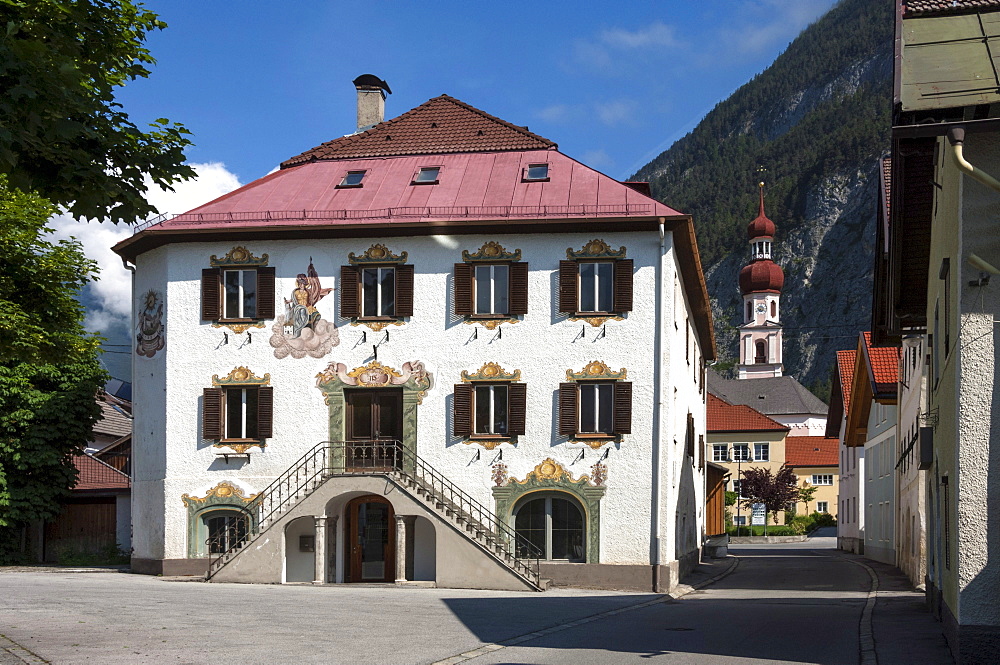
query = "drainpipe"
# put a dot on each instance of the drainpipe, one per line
(956, 136)
(131, 380)
(659, 419)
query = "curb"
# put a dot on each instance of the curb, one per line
(866, 629)
(679, 592)
(22, 654)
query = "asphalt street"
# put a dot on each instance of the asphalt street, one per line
(802, 603)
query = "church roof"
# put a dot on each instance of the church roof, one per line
(441, 125)
(764, 276)
(773, 396)
(725, 417)
(761, 227)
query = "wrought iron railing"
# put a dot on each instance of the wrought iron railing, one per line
(380, 457)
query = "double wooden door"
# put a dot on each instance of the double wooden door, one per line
(374, 428)
(370, 532)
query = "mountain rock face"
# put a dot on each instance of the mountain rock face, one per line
(817, 121)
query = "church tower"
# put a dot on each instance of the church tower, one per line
(760, 283)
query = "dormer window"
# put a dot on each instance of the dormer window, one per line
(427, 175)
(536, 172)
(352, 179)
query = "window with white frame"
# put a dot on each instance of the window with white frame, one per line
(241, 412)
(491, 409)
(741, 452)
(597, 286)
(240, 294)
(822, 479)
(761, 452)
(822, 506)
(597, 408)
(378, 292)
(720, 452)
(492, 289)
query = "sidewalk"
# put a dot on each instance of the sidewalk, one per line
(904, 630)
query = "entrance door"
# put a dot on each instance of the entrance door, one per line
(371, 537)
(374, 428)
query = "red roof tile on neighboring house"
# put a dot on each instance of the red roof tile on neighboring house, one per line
(440, 125)
(811, 451)
(884, 364)
(845, 369)
(726, 417)
(913, 8)
(96, 475)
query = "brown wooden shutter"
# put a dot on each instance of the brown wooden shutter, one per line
(623, 285)
(211, 413)
(350, 286)
(265, 293)
(211, 294)
(462, 410)
(518, 289)
(623, 407)
(689, 437)
(265, 412)
(569, 406)
(404, 290)
(569, 271)
(463, 289)
(517, 408)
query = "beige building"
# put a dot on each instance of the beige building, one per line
(814, 461)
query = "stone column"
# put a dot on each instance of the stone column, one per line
(331, 550)
(320, 554)
(400, 549)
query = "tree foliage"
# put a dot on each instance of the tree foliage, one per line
(775, 490)
(49, 369)
(807, 493)
(61, 132)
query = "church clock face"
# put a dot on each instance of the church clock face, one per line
(761, 308)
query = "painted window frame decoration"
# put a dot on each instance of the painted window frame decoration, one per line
(215, 409)
(595, 373)
(213, 289)
(571, 281)
(225, 497)
(466, 285)
(549, 477)
(464, 405)
(352, 287)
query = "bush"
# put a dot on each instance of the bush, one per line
(758, 530)
(109, 555)
(823, 519)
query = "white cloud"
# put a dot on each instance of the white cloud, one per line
(598, 159)
(654, 35)
(767, 23)
(109, 299)
(618, 112)
(554, 113)
(614, 48)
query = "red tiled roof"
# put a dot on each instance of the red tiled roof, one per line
(96, 475)
(884, 364)
(438, 126)
(887, 182)
(912, 8)
(726, 417)
(845, 369)
(811, 451)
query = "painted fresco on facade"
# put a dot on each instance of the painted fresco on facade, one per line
(302, 331)
(150, 336)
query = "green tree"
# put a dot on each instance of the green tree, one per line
(807, 493)
(49, 369)
(61, 132)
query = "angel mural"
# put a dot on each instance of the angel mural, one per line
(302, 330)
(149, 336)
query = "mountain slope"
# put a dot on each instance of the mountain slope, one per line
(817, 119)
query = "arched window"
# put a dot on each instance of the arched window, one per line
(774, 309)
(554, 524)
(761, 355)
(224, 529)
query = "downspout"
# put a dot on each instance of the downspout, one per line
(658, 428)
(131, 380)
(956, 136)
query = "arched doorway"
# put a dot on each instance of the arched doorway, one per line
(223, 528)
(553, 522)
(370, 540)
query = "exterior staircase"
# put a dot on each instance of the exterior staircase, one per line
(409, 473)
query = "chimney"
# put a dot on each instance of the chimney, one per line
(371, 100)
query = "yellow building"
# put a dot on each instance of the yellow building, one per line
(814, 461)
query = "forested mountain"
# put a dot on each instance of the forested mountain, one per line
(817, 120)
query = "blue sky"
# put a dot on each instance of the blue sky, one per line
(614, 84)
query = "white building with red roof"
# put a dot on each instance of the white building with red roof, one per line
(435, 350)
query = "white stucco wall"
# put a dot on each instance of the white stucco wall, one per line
(173, 459)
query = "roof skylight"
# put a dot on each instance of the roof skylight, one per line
(427, 175)
(353, 179)
(537, 172)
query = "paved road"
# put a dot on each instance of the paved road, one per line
(780, 604)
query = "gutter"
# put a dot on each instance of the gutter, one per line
(131, 378)
(659, 418)
(956, 137)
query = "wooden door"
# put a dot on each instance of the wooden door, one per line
(371, 540)
(374, 428)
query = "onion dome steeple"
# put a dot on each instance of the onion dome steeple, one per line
(762, 274)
